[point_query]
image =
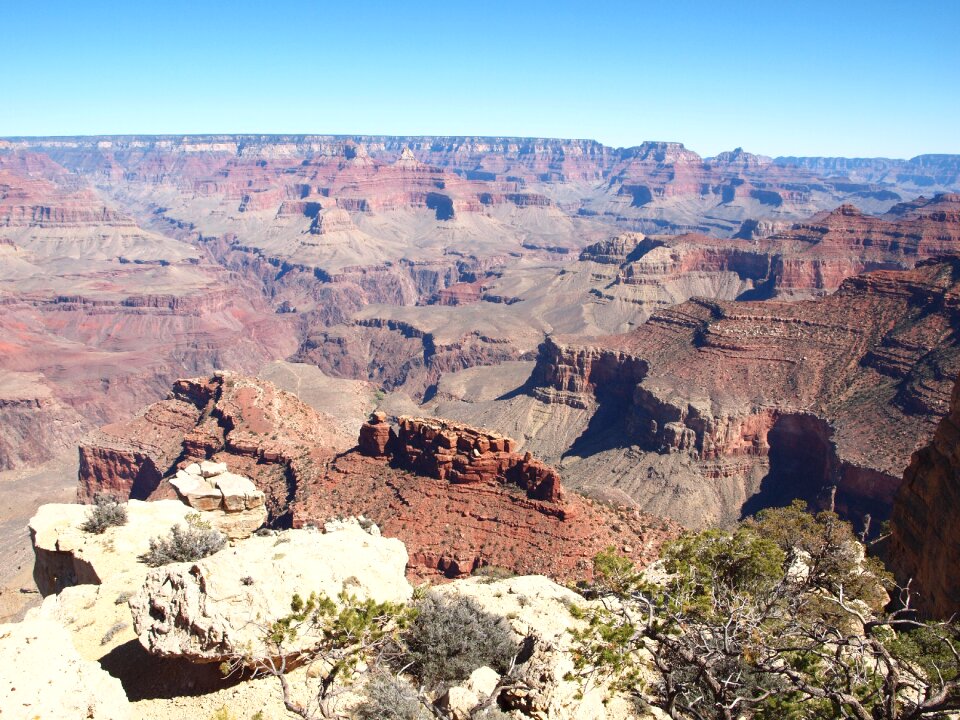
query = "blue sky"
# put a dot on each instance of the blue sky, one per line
(779, 77)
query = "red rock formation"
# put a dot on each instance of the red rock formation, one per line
(36, 192)
(375, 436)
(459, 454)
(459, 497)
(128, 460)
(812, 257)
(924, 545)
(258, 430)
(394, 353)
(462, 498)
(654, 184)
(34, 425)
(102, 314)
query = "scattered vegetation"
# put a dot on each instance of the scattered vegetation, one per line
(391, 698)
(185, 543)
(406, 652)
(106, 512)
(111, 633)
(493, 572)
(350, 633)
(783, 617)
(123, 598)
(450, 637)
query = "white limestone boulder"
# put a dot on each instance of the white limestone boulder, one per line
(66, 555)
(218, 607)
(231, 503)
(209, 469)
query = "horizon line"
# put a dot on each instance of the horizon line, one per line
(355, 136)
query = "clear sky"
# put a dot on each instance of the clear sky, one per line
(778, 77)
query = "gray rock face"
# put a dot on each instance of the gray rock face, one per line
(219, 607)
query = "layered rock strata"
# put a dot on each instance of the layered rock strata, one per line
(459, 454)
(808, 258)
(735, 400)
(254, 428)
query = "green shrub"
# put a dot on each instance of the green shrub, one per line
(185, 543)
(106, 512)
(780, 618)
(389, 698)
(451, 637)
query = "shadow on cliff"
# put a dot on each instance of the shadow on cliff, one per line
(146, 677)
(607, 430)
(803, 465)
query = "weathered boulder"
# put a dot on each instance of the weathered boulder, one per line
(217, 608)
(43, 676)
(229, 502)
(461, 700)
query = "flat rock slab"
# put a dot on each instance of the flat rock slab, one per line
(66, 555)
(43, 676)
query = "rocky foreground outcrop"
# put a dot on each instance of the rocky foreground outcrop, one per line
(43, 676)
(66, 555)
(731, 406)
(924, 546)
(539, 613)
(221, 607)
